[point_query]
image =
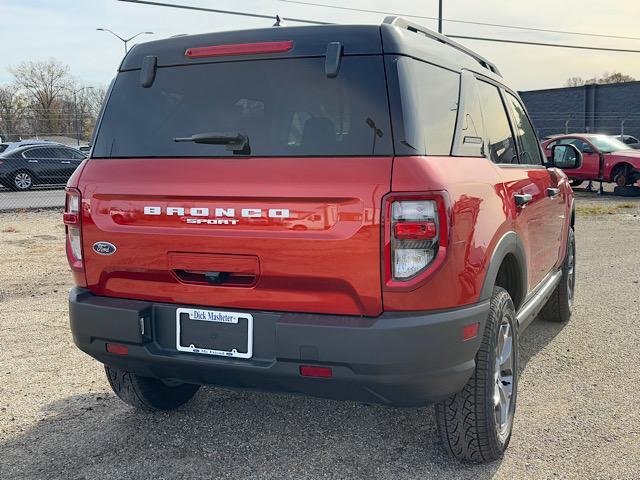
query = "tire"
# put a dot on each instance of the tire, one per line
(620, 176)
(576, 183)
(630, 191)
(468, 422)
(560, 304)
(21, 181)
(148, 394)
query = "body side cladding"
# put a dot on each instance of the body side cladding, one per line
(510, 243)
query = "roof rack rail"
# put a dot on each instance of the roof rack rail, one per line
(401, 22)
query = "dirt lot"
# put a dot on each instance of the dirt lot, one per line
(578, 414)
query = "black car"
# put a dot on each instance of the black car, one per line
(22, 168)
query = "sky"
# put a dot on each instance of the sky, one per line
(33, 30)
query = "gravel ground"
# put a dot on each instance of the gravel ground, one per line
(577, 416)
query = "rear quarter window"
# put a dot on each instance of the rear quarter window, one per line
(425, 105)
(286, 107)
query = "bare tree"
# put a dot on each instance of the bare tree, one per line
(606, 78)
(615, 77)
(574, 82)
(13, 105)
(46, 83)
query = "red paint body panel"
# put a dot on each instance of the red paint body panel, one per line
(324, 258)
(482, 211)
(590, 169)
(478, 218)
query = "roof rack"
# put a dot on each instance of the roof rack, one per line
(401, 22)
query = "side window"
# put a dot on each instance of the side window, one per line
(525, 135)
(429, 98)
(500, 143)
(580, 144)
(60, 153)
(67, 153)
(76, 155)
(34, 153)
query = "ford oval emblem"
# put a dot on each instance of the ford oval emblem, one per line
(104, 248)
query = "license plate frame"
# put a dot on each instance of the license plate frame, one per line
(215, 316)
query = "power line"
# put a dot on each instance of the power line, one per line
(466, 22)
(227, 12)
(541, 44)
(315, 22)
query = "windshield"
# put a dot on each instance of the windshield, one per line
(607, 144)
(284, 107)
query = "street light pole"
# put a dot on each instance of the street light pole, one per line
(439, 16)
(123, 40)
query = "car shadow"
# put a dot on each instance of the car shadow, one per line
(537, 336)
(226, 433)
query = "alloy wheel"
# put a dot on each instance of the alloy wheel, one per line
(571, 272)
(503, 376)
(22, 181)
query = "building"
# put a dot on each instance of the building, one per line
(612, 109)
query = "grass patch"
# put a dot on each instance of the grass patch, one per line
(603, 209)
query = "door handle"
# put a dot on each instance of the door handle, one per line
(522, 199)
(552, 192)
(65, 161)
(32, 161)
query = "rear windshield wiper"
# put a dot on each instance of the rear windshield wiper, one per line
(236, 142)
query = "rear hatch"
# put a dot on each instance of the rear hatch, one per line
(289, 222)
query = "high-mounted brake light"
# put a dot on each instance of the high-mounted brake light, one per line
(415, 237)
(239, 49)
(72, 222)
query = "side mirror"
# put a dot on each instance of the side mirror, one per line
(566, 157)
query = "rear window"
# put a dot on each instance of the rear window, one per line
(286, 107)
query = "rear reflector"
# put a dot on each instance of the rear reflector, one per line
(239, 49)
(318, 372)
(470, 331)
(117, 349)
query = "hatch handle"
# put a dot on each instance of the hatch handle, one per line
(216, 278)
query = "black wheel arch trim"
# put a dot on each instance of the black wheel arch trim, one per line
(509, 243)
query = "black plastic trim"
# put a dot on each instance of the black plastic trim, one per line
(400, 358)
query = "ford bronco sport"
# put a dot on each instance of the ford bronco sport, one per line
(351, 212)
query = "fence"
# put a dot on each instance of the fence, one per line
(555, 123)
(34, 170)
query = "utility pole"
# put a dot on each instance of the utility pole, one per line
(439, 16)
(123, 40)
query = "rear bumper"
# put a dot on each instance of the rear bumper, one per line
(397, 358)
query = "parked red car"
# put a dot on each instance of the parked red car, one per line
(604, 158)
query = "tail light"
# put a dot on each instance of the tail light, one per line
(415, 237)
(72, 218)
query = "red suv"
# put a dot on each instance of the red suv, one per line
(605, 158)
(351, 212)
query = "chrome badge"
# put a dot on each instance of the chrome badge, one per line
(104, 248)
